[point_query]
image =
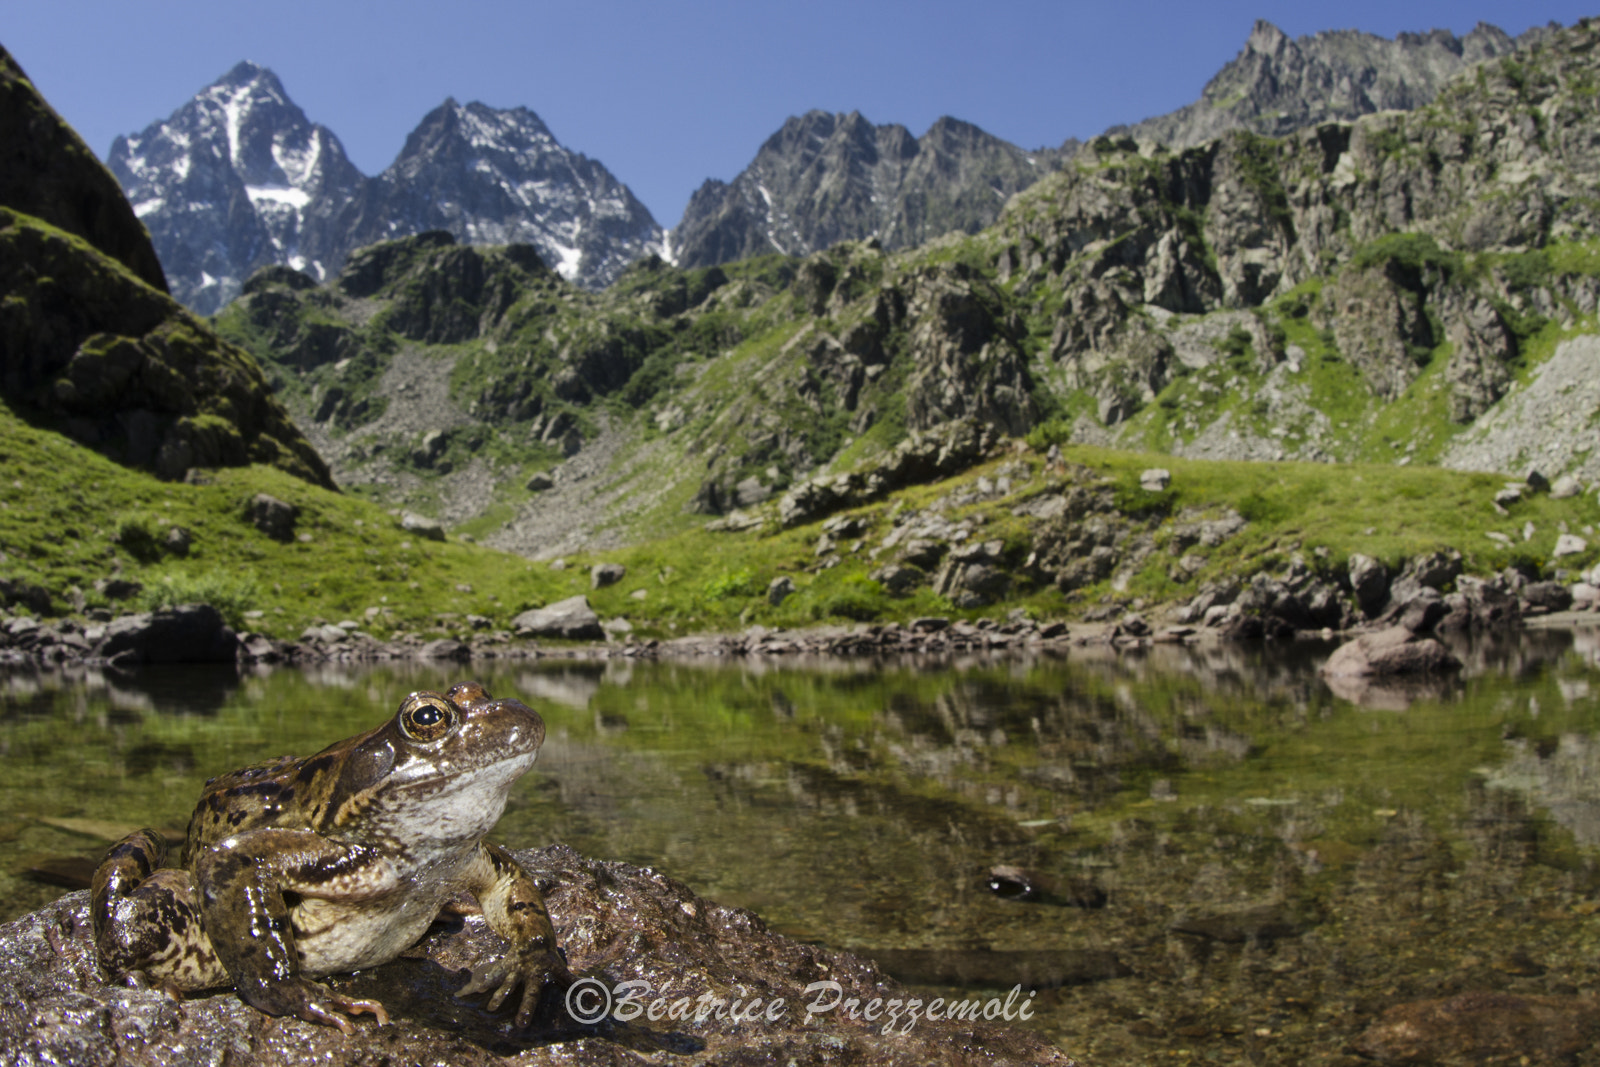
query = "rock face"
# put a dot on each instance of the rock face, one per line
(48, 172)
(618, 924)
(238, 178)
(1278, 84)
(825, 178)
(90, 342)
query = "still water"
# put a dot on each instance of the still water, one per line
(1274, 863)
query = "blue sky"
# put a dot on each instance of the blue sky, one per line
(669, 94)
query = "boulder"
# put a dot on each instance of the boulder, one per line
(604, 574)
(273, 517)
(1565, 486)
(422, 526)
(1155, 480)
(1569, 545)
(779, 590)
(1394, 651)
(617, 924)
(572, 619)
(1369, 580)
(1541, 597)
(540, 482)
(189, 633)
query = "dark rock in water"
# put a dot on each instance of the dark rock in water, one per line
(1017, 883)
(1265, 922)
(1484, 1028)
(188, 633)
(1396, 650)
(617, 923)
(572, 619)
(985, 969)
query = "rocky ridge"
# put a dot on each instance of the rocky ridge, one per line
(238, 178)
(1278, 84)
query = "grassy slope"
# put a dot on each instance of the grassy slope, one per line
(67, 516)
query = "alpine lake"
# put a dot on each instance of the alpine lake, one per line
(1230, 862)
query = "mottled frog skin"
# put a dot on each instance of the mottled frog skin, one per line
(296, 869)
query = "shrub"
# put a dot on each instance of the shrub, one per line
(231, 593)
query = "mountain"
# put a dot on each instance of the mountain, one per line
(825, 178)
(1411, 287)
(238, 178)
(500, 177)
(91, 344)
(1278, 84)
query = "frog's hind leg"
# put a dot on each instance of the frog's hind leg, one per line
(147, 921)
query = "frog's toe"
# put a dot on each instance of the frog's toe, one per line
(327, 1011)
(503, 977)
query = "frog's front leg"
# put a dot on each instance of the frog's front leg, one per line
(515, 910)
(241, 883)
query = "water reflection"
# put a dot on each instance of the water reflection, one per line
(1271, 865)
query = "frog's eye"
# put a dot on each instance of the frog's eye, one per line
(426, 717)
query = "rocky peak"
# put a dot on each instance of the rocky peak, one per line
(492, 176)
(236, 179)
(824, 178)
(1267, 40)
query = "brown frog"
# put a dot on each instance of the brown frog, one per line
(296, 869)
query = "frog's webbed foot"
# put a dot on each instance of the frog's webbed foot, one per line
(313, 1002)
(530, 969)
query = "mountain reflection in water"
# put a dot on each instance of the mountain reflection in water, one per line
(1276, 865)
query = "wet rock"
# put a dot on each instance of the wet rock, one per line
(1484, 1028)
(572, 619)
(422, 526)
(273, 517)
(1396, 650)
(604, 574)
(188, 633)
(616, 922)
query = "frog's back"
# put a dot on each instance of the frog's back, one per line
(282, 792)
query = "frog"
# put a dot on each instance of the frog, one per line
(296, 869)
